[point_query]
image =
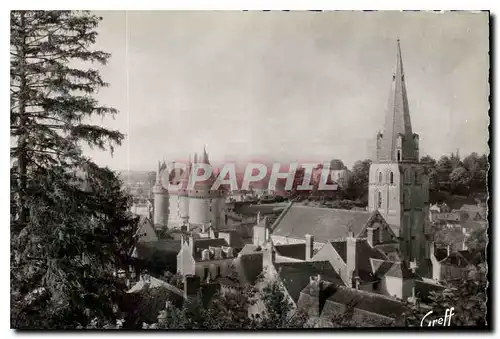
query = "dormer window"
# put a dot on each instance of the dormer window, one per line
(379, 177)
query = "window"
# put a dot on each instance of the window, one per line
(218, 271)
(380, 177)
(391, 177)
(399, 156)
(379, 199)
(206, 273)
(416, 177)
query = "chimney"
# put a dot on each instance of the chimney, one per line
(431, 250)
(212, 233)
(448, 250)
(229, 252)
(370, 236)
(309, 246)
(191, 245)
(413, 266)
(268, 255)
(464, 246)
(258, 217)
(191, 286)
(351, 254)
(203, 228)
(356, 282)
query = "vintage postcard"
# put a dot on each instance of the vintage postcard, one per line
(249, 170)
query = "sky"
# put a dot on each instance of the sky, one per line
(288, 86)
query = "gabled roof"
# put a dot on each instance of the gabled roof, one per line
(364, 253)
(162, 247)
(383, 268)
(201, 243)
(296, 275)
(362, 300)
(296, 251)
(325, 224)
(463, 258)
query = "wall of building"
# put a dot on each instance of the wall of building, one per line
(392, 286)
(259, 235)
(185, 262)
(213, 268)
(408, 285)
(281, 240)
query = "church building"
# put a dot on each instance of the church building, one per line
(398, 186)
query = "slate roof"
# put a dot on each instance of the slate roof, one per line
(363, 300)
(296, 275)
(158, 256)
(296, 251)
(440, 253)
(206, 243)
(462, 258)
(249, 249)
(249, 267)
(364, 252)
(235, 237)
(247, 209)
(164, 246)
(390, 250)
(391, 269)
(325, 224)
(211, 244)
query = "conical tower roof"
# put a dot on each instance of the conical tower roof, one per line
(397, 118)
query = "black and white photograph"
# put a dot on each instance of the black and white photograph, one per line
(250, 170)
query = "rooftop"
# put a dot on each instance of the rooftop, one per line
(325, 224)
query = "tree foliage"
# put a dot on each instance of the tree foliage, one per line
(466, 296)
(70, 226)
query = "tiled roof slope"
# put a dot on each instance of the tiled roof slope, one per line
(362, 300)
(324, 224)
(296, 275)
(296, 251)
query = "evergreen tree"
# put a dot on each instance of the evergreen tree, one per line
(70, 226)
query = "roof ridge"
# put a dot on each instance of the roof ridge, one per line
(333, 209)
(370, 294)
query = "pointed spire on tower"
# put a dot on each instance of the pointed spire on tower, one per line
(204, 158)
(397, 142)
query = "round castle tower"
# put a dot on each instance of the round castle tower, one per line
(204, 208)
(161, 203)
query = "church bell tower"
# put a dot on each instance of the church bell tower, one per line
(398, 186)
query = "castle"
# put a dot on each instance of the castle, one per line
(177, 205)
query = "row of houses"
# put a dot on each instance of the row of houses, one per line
(357, 260)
